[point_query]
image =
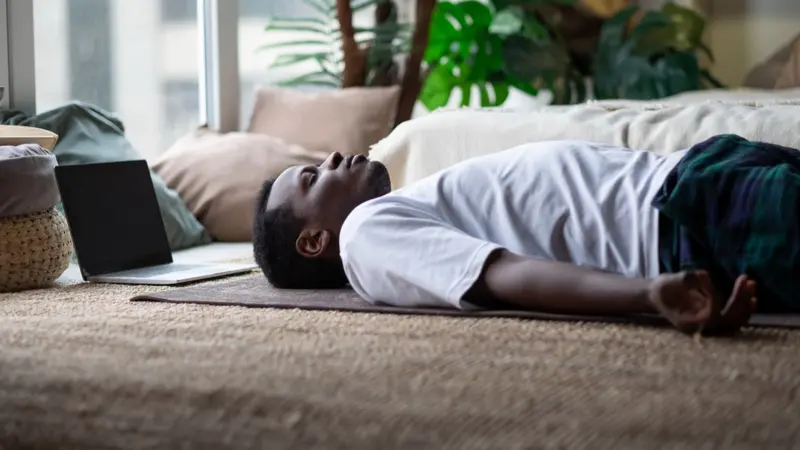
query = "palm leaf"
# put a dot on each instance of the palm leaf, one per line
(323, 7)
(289, 59)
(356, 6)
(321, 78)
(308, 28)
(288, 22)
(391, 24)
(298, 83)
(284, 44)
(384, 27)
(364, 4)
(319, 39)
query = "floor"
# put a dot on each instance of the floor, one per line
(83, 367)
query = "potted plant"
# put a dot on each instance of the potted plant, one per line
(556, 45)
(345, 55)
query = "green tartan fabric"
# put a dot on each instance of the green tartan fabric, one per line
(731, 207)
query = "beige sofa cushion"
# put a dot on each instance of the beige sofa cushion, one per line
(790, 75)
(766, 75)
(343, 120)
(219, 176)
(423, 146)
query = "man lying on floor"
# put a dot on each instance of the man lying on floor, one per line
(560, 227)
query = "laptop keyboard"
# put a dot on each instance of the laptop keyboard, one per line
(165, 269)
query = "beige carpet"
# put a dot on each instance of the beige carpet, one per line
(81, 367)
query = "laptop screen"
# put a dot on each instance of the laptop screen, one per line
(113, 216)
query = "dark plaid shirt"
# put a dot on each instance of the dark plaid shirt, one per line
(732, 207)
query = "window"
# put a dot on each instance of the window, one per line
(119, 55)
(181, 105)
(176, 10)
(254, 63)
(141, 60)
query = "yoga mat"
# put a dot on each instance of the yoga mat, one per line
(257, 292)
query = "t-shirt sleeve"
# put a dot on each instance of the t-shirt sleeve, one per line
(401, 255)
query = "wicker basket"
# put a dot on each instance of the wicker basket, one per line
(35, 249)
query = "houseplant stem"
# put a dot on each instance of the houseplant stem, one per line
(412, 76)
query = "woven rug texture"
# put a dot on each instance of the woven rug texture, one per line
(82, 367)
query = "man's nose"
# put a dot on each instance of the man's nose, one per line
(333, 160)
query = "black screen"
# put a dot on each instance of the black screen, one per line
(113, 216)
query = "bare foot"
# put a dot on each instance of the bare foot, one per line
(689, 302)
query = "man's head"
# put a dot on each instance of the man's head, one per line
(300, 214)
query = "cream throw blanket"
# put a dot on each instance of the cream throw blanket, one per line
(423, 146)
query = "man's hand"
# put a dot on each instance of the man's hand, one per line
(689, 301)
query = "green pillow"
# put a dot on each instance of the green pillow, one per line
(88, 134)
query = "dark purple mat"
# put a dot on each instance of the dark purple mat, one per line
(256, 292)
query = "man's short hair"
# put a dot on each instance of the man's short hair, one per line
(275, 233)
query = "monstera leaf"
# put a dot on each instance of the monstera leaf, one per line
(501, 4)
(544, 63)
(492, 47)
(463, 54)
(657, 58)
(515, 20)
(688, 27)
(508, 21)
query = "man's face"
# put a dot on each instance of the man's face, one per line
(324, 195)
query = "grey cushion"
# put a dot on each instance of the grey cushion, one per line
(27, 180)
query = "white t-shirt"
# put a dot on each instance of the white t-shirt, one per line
(587, 204)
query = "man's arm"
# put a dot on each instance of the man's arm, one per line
(687, 299)
(560, 288)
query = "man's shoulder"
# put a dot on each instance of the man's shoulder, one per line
(386, 213)
(365, 213)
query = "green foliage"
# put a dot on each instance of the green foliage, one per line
(657, 58)
(465, 51)
(319, 40)
(513, 43)
(462, 53)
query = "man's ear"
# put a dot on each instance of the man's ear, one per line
(313, 242)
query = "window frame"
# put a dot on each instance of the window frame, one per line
(17, 62)
(4, 74)
(219, 77)
(218, 45)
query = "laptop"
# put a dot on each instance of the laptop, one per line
(117, 230)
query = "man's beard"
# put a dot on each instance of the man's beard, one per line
(379, 181)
